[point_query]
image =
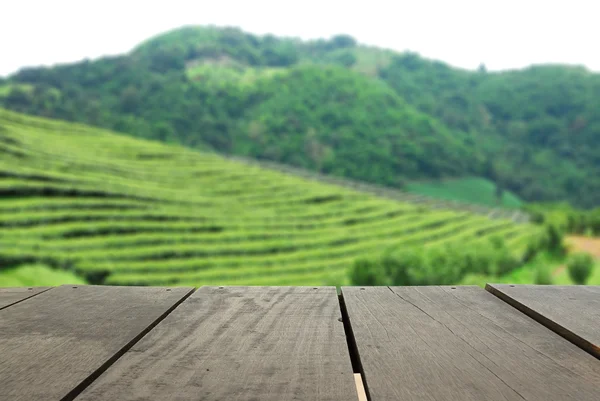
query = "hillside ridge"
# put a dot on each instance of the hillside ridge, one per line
(518, 216)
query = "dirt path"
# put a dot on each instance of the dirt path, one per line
(585, 244)
(580, 244)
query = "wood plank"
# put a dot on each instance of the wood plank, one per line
(52, 345)
(572, 311)
(12, 295)
(461, 343)
(238, 343)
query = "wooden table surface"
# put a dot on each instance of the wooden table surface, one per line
(104, 343)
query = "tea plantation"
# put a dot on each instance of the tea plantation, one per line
(117, 210)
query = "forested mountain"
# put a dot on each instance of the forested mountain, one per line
(338, 107)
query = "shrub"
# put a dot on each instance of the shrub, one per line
(435, 268)
(475, 279)
(497, 241)
(498, 258)
(555, 239)
(506, 262)
(434, 265)
(580, 266)
(543, 276)
(537, 217)
(367, 272)
(397, 266)
(534, 246)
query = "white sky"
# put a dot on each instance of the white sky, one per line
(502, 34)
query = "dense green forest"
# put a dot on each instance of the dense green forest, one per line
(337, 107)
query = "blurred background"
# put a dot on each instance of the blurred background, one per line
(305, 143)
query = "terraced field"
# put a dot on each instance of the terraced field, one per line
(474, 190)
(118, 210)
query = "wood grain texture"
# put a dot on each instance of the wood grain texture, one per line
(572, 311)
(238, 343)
(440, 343)
(54, 343)
(13, 295)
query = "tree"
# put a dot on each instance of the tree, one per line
(18, 99)
(130, 99)
(489, 169)
(280, 54)
(164, 132)
(347, 59)
(168, 59)
(580, 267)
(341, 41)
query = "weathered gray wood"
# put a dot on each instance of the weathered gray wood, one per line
(52, 345)
(238, 343)
(13, 295)
(571, 311)
(440, 343)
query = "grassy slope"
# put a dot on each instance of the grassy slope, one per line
(37, 275)
(471, 190)
(120, 210)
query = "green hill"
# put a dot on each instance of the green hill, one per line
(117, 210)
(338, 107)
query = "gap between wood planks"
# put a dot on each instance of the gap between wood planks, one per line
(359, 375)
(30, 294)
(360, 388)
(88, 380)
(546, 322)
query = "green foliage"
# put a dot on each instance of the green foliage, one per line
(444, 264)
(123, 211)
(37, 275)
(555, 239)
(545, 268)
(346, 59)
(6, 88)
(542, 275)
(367, 272)
(312, 117)
(566, 218)
(538, 124)
(580, 266)
(342, 41)
(339, 107)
